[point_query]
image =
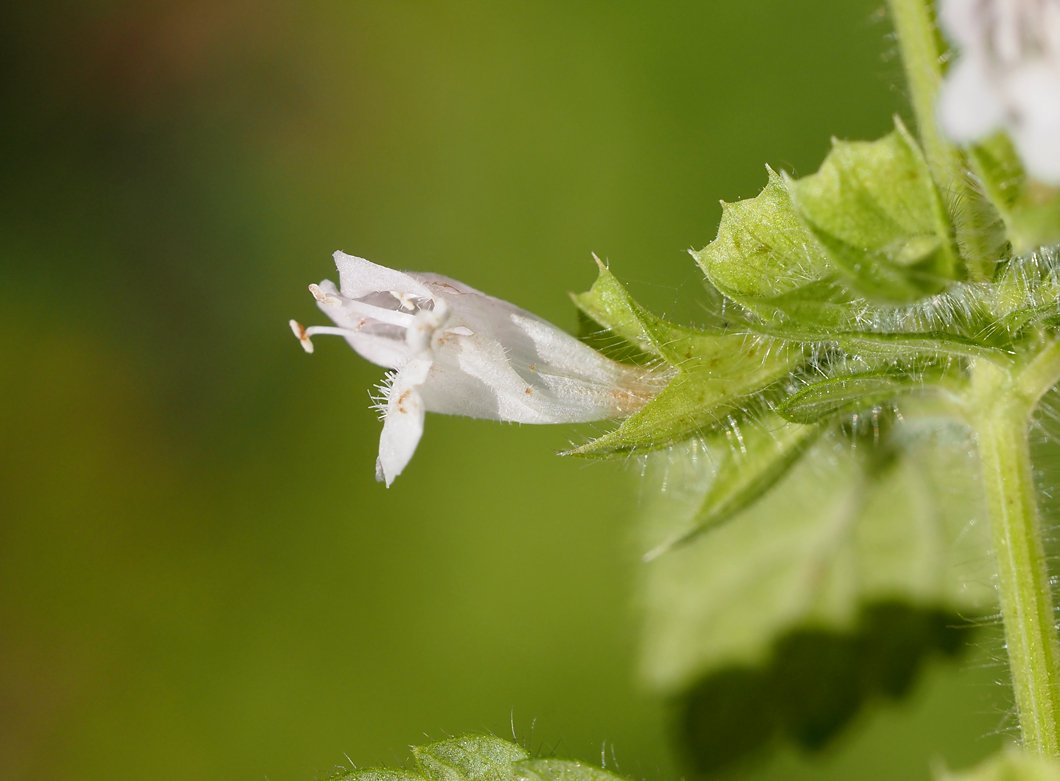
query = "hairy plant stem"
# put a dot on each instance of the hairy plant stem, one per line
(1002, 403)
(918, 41)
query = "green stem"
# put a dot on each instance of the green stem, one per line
(1002, 410)
(1041, 374)
(918, 40)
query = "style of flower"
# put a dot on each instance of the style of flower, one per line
(1007, 77)
(452, 349)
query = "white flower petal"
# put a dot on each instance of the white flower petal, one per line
(1035, 92)
(402, 421)
(969, 106)
(527, 339)
(359, 278)
(478, 378)
(1050, 29)
(1008, 76)
(472, 377)
(960, 20)
(566, 357)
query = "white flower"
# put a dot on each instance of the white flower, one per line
(1007, 77)
(455, 350)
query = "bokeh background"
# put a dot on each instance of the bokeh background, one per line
(199, 577)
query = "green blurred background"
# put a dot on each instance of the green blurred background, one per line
(199, 576)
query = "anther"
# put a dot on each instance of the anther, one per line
(404, 299)
(303, 336)
(321, 296)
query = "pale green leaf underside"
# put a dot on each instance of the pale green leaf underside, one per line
(848, 545)
(830, 536)
(480, 758)
(750, 460)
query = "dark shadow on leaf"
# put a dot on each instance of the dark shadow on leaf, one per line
(815, 685)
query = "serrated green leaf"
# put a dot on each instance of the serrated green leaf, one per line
(374, 774)
(853, 391)
(709, 387)
(480, 758)
(1009, 765)
(752, 458)
(848, 550)
(763, 255)
(474, 758)
(874, 208)
(560, 770)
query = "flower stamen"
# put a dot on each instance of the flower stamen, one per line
(305, 334)
(322, 297)
(299, 331)
(371, 311)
